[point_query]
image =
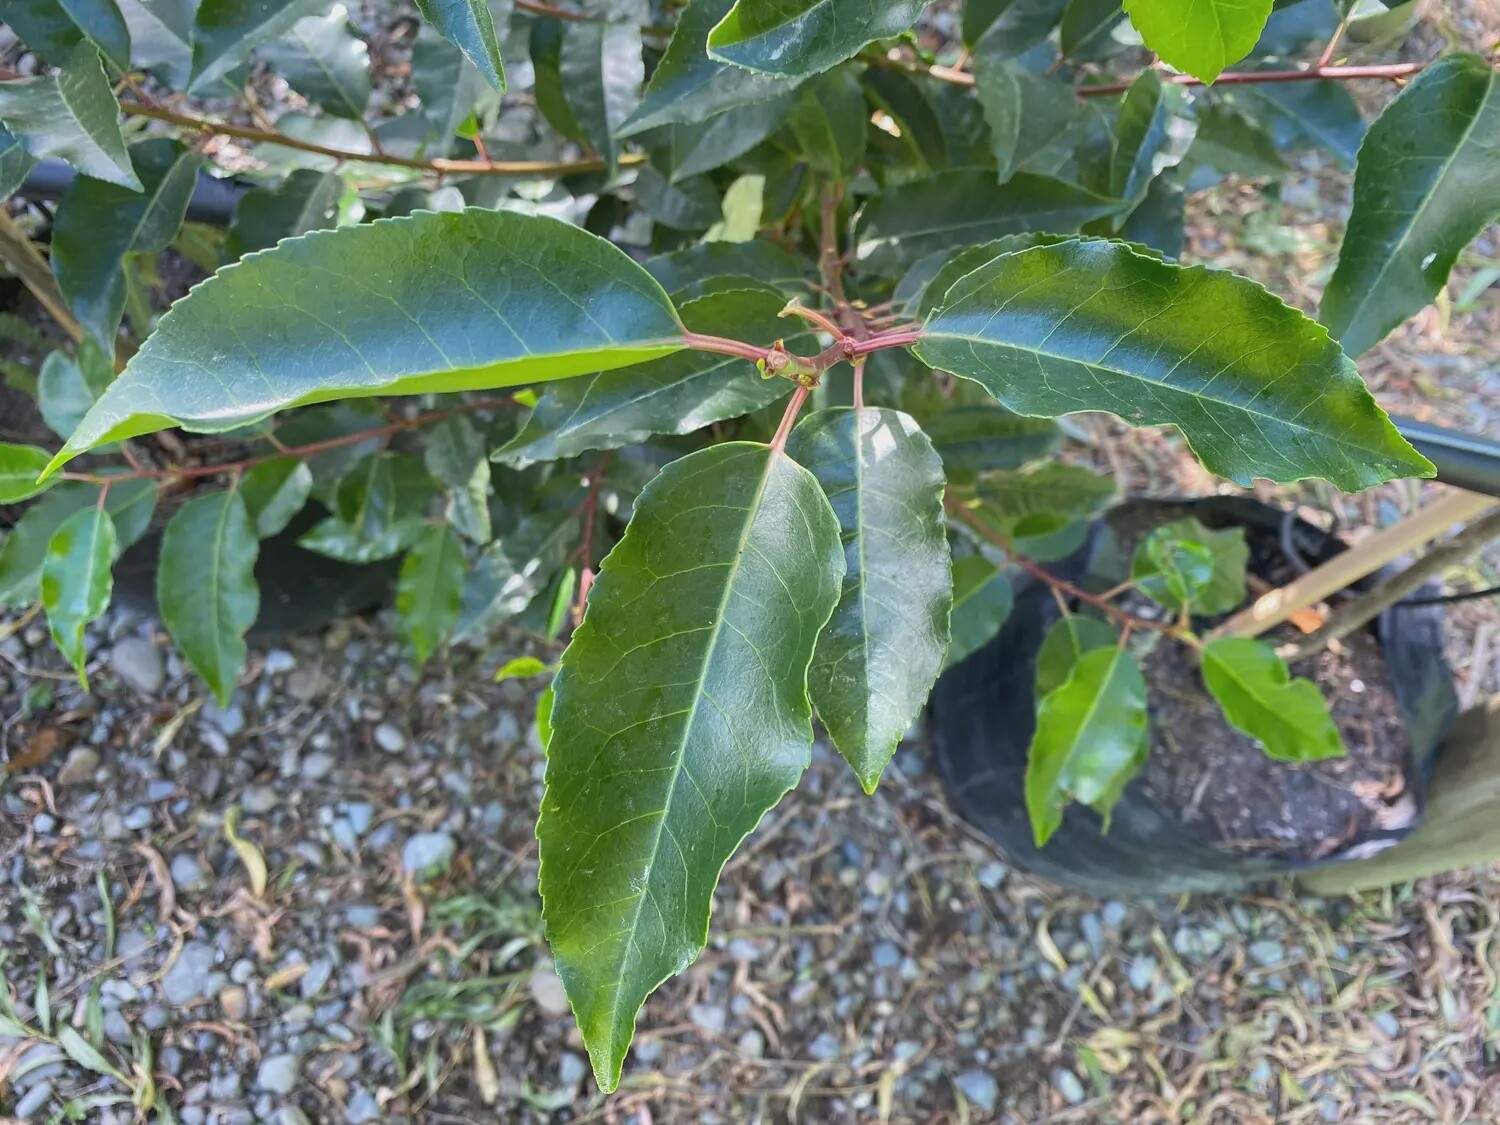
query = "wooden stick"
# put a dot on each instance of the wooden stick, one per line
(27, 263)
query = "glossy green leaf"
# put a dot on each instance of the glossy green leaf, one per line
(1234, 144)
(226, 31)
(325, 61)
(20, 466)
(675, 395)
(829, 121)
(1424, 188)
(98, 223)
(1007, 28)
(688, 86)
(1026, 111)
(1158, 223)
(433, 302)
(380, 509)
(53, 28)
(906, 103)
(1171, 567)
(275, 491)
(307, 200)
(977, 439)
(1201, 37)
(456, 457)
(430, 589)
(470, 27)
(1091, 739)
(206, 588)
(1318, 113)
(706, 145)
(1220, 590)
(131, 504)
(1152, 133)
(1086, 31)
(1288, 717)
(63, 395)
(879, 655)
(1256, 388)
(963, 206)
(690, 204)
(797, 38)
(1065, 645)
(522, 667)
(24, 548)
(982, 601)
(966, 261)
(75, 581)
(161, 37)
(545, 47)
(602, 71)
(513, 570)
(71, 115)
(452, 90)
(681, 717)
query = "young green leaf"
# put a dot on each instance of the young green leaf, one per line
(876, 661)
(602, 71)
(963, 206)
(1424, 188)
(799, 38)
(430, 589)
(470, 27)
(681, 717)
(521, 667)
(98, 223)
(1065, 645)
(1090, 739)
(325, 61)
(226, 31)
(275, 491)
(1223, 587)
(1288, 717)
(432, 302)
(76, 581)
(206, 588)
(307, 200)
(1201, 37)
(1172, 568)
(20, 466)
(71, 115)
(1256, 388)
(1152, 133)
(456, 457)
(982, 601)
(513, 570)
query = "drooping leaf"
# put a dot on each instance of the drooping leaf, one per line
(76, 580)
(470, 27)
(428, 303)
(456, 457)
(982, 601)
(1424, 188)
(307, 200)
(1065, 645)
(675, 395)
(1256, 388)
(98, 223)
(878, 657)
(161, 37)
(691, 204)
(20, 466)
(323, 59)
(978, 439)
(1090, 739)
(1007, 28)
(963, 206)
(430, 589)
(798, 38)
(602, 71)
(681, 717)
(1201, 37)
(911, 111)
(226, 31)
(545, 47)
(1152, 132)
(452, 90)
(1288, 717)
(205, 586)
(1085, 34)
(84, 1053)
(705, 145)
(53, 28)
(513, 570)
(1320, 113)
(1050, 488)
(1026, 111)
(829, 121)
(688, 86)
(1234, 144)
(71, 115)
(274, 491)
(1211, 582)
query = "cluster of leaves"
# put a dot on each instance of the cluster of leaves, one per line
(814, 207)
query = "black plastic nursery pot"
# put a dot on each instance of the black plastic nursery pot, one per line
(982, 718)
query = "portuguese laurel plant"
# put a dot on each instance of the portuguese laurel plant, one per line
(824, 222)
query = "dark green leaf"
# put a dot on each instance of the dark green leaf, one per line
(15, 163)
(690, 204)
(98, 223)
(1007, 28)
(1232, 143)
(1424, 188)
(1052, 488)
(206, 586)
(63, 394)
(1319, 113)
(764, 261)
(336, 420)
(681, 717)
(1218, 590)
(963, 206)
(1152, 134)
(20, 465)
(226, 31)
(513, 570)
(131, 504)
(1064, 645)
(545, 46)
(1256, 388)
(430, 589)
(908, 107)
(982, 600)
(1201, 37)
(1253, 685)
(470, 27)
(1090, 739)
(325, 61)
(798, 38)
(675, 395)
(71, 115)
(161, 37)
(1026, 112)
(380, 509)
(429, 303)
(75, 581)
(275, 491)
(452, 90)
(1158, 224)
(24, 549)
(878, 657)
(457, 458)
(710, 144)
(602, 71)
(829, 122)
(307, 200)
(1087, 27)
(976, 439)
(688, 86)
(53, 28)
(966, 261)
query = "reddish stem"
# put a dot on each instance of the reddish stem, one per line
(859, 383)
(813, 316)
(898, 337)
(793, 408)
(1255, 77)
(724, 346)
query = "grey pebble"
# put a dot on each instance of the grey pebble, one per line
(187, 981)
(752, 1044)
(304, 684)
(389, 738)
(291, 1115)
(1266, 952)
(547, 990)
(743, 949)
(1197, 942)
(230, 721)
(360, 814)
(259, 799)
(79, 767)
(138, 819)
(279, 660)
(362, 1107)
(36, 1098)
(1142, 973)
(1067, 1084)
(188, 873)
(318, 765)
(571, 1069)
(138, 663)
(886, 955)
(317, 977)
(161, 790)
(278, 1073)
(43, 824)
(980, 1088)
(708, 1018)
(428, 853)
(991, 875)
(1113, 913)
(825, 1048)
